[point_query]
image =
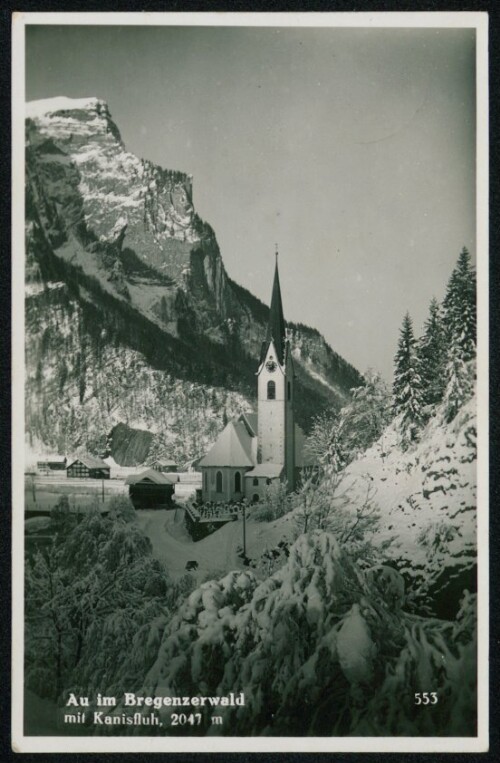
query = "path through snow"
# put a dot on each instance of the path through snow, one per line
(172, 545)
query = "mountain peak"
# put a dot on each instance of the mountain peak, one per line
(46, 106)
(143, 268)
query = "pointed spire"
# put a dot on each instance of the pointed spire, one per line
(276, 327)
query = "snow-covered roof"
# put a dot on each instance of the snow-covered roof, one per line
(272, 471)
(233, 447)
(119, 469)
(52, 459)
(251, 420)
(150, 475)
(91, 462)
(35, 109)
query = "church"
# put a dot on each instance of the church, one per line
(258, 449)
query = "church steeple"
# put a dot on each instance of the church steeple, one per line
(276, 326)
(275, 394)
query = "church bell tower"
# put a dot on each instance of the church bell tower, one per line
(275, 392)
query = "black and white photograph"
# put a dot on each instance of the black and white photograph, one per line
(250, 283)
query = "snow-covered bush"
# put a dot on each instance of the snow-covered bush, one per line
(120, 506)
(349, 511)
(321, 648)
(274, 504)
(96, 601)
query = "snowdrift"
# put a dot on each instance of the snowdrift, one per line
(427, 502)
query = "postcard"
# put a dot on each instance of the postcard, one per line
(250, 380)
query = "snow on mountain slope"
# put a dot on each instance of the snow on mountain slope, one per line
(114, 184)
(424, 509)
(426, 497)
(123, 236)
(82, 383)
(45, 106)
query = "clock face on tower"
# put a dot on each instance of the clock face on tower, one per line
(271, 365)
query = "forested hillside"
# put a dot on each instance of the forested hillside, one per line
(121, 271)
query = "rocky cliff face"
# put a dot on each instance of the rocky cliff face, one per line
(121, 270)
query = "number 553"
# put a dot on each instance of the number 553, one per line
(426, 698)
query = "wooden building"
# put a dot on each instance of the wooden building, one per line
(151, 489)
(51, 464)
(88, 467)
(165, 466)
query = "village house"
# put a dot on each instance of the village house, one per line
(151, 489)
(88, 467)
(49, 464)
(165, 466)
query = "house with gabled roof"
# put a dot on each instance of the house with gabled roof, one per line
(88, 467)
(256, 449)
(151, 488)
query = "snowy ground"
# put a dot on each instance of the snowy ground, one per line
(427, 495)
(218, 553)
(43, 493)
(173, 545)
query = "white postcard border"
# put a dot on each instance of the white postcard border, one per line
(22, 743)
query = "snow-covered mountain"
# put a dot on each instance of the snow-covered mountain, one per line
(122, 273)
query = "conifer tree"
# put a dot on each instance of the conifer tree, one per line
(432, 354)
(460, 319)
(460, 307)
(460, 380)
(407, 385)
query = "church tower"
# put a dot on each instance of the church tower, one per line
(275, 392)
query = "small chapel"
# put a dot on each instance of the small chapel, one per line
(256, 449)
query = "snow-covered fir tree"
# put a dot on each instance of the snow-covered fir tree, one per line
(460, 319)
(460, 376)
(460, 307)
(407, 394)
(432, 353)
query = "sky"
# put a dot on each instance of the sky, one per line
(352, 149)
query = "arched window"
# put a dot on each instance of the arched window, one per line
(271, 390)
(255, 498)
(218, 482)
(237, 482)
(255, 481)
(268, 481)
